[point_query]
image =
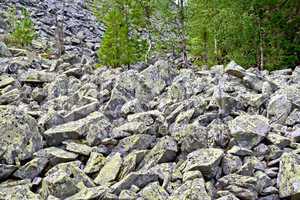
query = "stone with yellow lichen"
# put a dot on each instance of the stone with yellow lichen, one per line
(110, 170)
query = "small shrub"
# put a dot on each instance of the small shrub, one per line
(21, 31)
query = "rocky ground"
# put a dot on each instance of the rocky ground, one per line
(151, 132)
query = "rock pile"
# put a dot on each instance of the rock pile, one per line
(149, 132)
(82, 33)
(152, 132)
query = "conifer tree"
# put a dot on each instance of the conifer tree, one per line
(121, 44)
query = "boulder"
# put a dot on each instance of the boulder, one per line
(72, 130)
(17, 190)
(164, 151)
(31, 169)
(206, 160)
(56, 155)
(279, 108)
(288, 180)
(139, 179)
(249, 130)
(110, 170)
(20, 136)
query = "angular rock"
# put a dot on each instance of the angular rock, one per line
(20, 136)
(206, 160)
(110, 170)
(95, 162)
(6, 171)
(10, 96)
(5, 81)
(288, 180)
(154, 191)
(231, 164)
(38, 77)
(131, 161)
(249, 130)
(17, 190)
(81, 112)
(139, 179)
(78, 148)
(135, 142)
(98, 192)
(279, 108)
(31, 169)
(71, 130)
(278, 140)
(60, 185)
(56, 155)
(164, 151)
(191, 189)
(243, 187)
(191, 137)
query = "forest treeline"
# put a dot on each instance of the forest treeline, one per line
(254, 33)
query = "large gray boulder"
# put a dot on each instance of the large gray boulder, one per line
(20, 136)
(249, 130)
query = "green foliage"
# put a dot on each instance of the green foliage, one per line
(22, 31)
(257, 33)
(122, 44)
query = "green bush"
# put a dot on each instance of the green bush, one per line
(22, 31)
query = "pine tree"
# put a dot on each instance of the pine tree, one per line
(121, 44)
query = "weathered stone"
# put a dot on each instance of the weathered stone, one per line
(154, 191)
(231, 164)
(279, 108)
(140, 179)
(38, 94)
(10, 96)
(243, 187)
(78, 148)
(110, 170)
(31, 169)
(95, 162)
(20, 136)
(4, 51)
(191, 137)
(17, 190)
(81, 112)
(131, 161)
(98, 129)
(38, 77)
(288, 180)
(135, 142)
(56, 155)
(89, 193)
(5, 81)
(71, 130)
(249, 130)
(73, 171)
(6, 171)
(206, 160)
(278, 140)
(239, 151)
(191, 189)
(164, 151)
(59, 184)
